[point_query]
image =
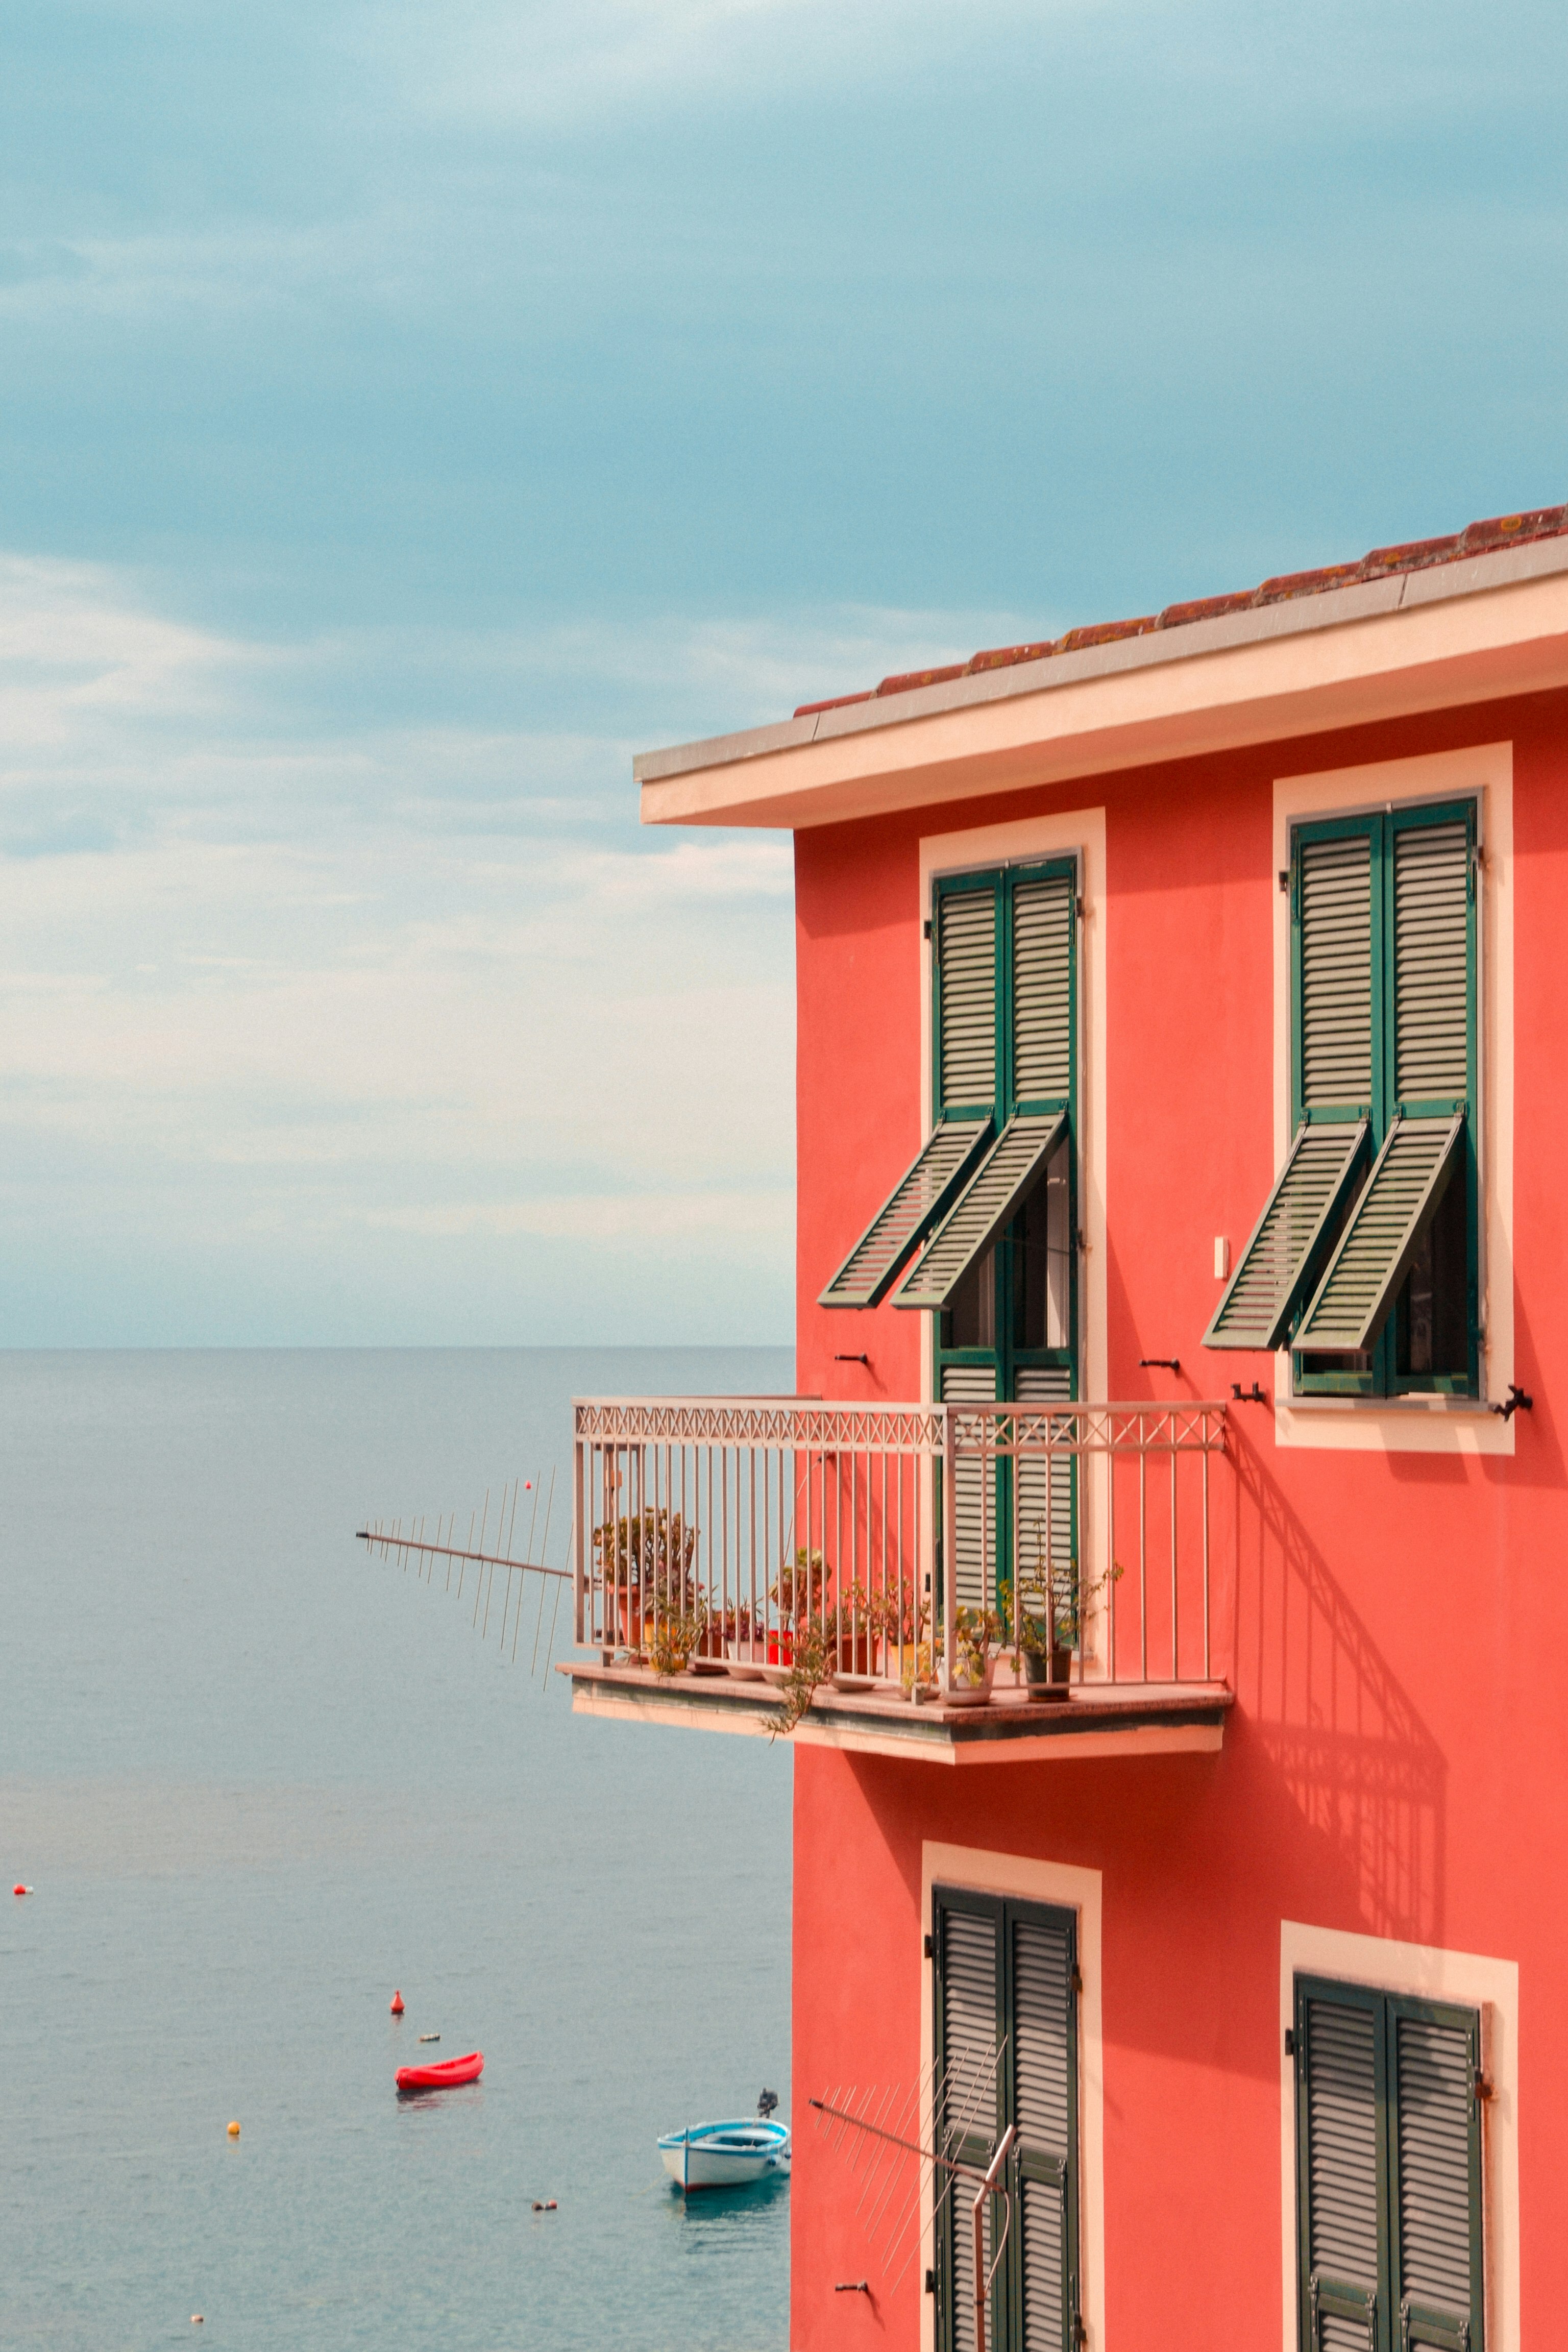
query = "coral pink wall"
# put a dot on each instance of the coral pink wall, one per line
(1397, 1760)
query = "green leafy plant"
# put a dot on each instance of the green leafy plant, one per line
(647, 1558)
(811, 1667)
(802, 1587)
(674, 1639)
(975, 1633)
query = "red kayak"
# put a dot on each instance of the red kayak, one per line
(442, 2078)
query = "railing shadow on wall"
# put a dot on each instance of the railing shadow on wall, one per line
(1349, 1749)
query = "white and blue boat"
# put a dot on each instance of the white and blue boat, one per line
(731, 2154)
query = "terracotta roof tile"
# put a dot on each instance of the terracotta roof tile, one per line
(1104, 633)
(1004, 656)
(834, 702)
(1206, 608)
(906, 680)
(1383, 563)
(1307, 583)
(1412, 555)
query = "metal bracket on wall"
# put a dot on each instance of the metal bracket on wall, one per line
(1517, 1402)
(1158, 1364)
(1254, 1395)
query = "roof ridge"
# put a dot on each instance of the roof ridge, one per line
(1383, 563)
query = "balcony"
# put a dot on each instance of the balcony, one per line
(764, 1564)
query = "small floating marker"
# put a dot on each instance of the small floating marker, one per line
(396, 2005)
(544, 2205)
(198, 2320)
(429, 2037)
(234, 2131)
(20, 1889)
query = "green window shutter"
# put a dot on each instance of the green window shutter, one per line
(1340, 2170)
(1437, 2157)
(1285, 1251)
(919, 1197)
(1042, 989)
(1044, 2109)
(1335, 958)
(1047, 1534)
(968, 2090)
(989, 1202)
(1432, 961)
(974, 1492)
(966, 997)
(1408, 1179)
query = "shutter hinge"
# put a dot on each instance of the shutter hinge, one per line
(1284, 881)
(1078, 907)
(925, 928)
(1483, 2085)
(931, 2282)
(1290, 2041)
(930, 1949)
(1077, 1979)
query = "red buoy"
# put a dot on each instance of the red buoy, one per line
(20, 1889)
(396, 1998)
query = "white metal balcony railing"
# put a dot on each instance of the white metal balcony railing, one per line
(756, 1535)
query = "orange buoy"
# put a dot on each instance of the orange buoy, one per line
(397, 2004)
(234, 2131)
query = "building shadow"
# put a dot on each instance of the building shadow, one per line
(1347, 1746)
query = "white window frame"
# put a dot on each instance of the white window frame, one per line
(1422, 1424)
(1429, 1973)
(1069, 1887)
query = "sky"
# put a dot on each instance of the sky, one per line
(408, 414)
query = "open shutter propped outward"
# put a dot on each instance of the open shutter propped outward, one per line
(1285, 1251)
(916, 1201)
(989, 1201)
(1408, 1179)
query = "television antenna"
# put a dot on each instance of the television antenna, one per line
(520, 1578)
(877, 2132)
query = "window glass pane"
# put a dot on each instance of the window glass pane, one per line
(1432, 1337)
(1042, 1259)
(972, 1320)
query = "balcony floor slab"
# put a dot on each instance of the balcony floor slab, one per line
(1096, 1719)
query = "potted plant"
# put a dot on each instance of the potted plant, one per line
(975, 1633)
(862, 1623)
(675, 1638)
(1052, 1603)
(646, 1560)
(800, 1592)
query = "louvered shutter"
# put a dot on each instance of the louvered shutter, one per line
(1431, 962)
(1341, 2168)
(974, 1494)
(968, 2089)
(1044, 1541)
(918, 1199)
(1284, 1252)
(1334, 917)
(989, 1201)
(1408, 1179)
(966, 998)
(1435, 2202)
(1044, 2041)
(1043, 988)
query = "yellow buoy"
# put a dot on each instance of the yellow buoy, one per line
(234, 2131)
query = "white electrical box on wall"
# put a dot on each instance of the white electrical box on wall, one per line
(1221, 1257)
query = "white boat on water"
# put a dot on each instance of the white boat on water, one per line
(731, 2154)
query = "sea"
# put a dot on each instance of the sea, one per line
(256, 1780)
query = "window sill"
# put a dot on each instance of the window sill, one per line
(1406, 1424)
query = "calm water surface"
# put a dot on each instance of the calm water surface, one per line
(257, 1781)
